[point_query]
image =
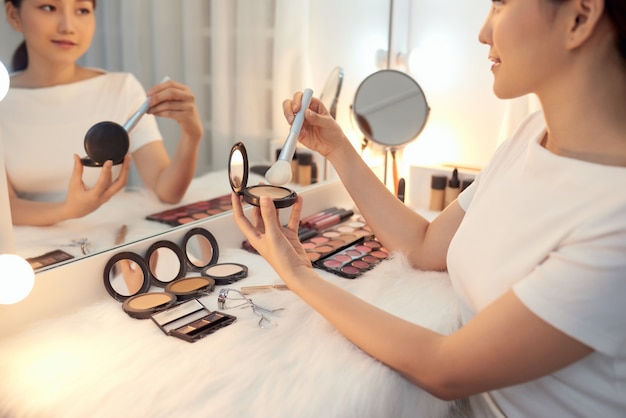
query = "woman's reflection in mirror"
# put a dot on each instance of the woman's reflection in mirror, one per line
(52, 103)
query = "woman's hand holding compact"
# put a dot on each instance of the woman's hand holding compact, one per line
(82, 199)
(278, 244)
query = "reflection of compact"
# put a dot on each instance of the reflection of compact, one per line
(238, 177)
(109, 140)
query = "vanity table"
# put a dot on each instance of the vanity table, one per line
(69, 350)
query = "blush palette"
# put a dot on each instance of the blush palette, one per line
(192, 212)
(354, 260)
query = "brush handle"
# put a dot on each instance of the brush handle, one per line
(289, 148)
(132, 121)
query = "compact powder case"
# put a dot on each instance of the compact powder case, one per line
(143, 305)
(225, 273)
(105, 141)
(190, 287)
(238, 177)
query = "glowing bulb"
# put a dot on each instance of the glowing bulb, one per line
(4, 81)
(16, 278)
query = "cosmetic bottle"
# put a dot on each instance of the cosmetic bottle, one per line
(466, 183)
(452, 188)
(305, 162)
(314, 173)
(437, 191)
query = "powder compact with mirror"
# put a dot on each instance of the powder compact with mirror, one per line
(128, 278)
(238, 177)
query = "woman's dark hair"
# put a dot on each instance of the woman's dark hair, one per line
(616, 12)
(19, 61)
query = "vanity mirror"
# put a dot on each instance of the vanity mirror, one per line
(391, 110)
(100, 230)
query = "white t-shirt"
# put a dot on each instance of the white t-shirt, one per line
(553, 229)
(42, 128)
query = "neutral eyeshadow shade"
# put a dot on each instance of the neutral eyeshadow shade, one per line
(189, 284)
(149, 300)
(271, 191)
(221, 270)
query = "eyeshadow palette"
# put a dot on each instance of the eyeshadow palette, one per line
(333, 239)
(354, 260)
(191, 321)
(192, 212)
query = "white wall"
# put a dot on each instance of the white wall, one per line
(453, 69)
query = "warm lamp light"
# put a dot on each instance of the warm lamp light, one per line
(4, 81)
(16, 278)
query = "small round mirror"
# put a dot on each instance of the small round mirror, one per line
(200, 248)
(166, 262)
(390, 108)
(126, 274)
(330, 94)
(238, 167)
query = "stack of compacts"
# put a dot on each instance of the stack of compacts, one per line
(128, 278)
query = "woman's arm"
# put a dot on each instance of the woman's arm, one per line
(504, 344)
(398, 227)
(169, 178)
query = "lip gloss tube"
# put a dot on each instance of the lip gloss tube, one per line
(309, 218)
(332, 219)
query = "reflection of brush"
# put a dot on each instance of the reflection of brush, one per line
(280, 172)
(132, 121)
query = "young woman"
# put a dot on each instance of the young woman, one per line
(535, 248)
(53, 102)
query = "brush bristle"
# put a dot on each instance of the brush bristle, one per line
(279, 173)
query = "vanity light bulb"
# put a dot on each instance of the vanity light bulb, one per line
(4, 81)
(16, 278)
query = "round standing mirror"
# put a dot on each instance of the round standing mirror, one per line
(200, 248)
(126, 274)
(166, 262)
(390, 108)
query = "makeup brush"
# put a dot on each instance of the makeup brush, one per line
(280, 172)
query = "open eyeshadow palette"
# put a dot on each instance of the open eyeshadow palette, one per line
(348, 249)
(188, 213)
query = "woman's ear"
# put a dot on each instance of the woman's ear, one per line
(584, 16)
(13, 16)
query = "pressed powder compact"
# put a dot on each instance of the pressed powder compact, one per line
(225, 273)
(143, 305)
(238, 177)
(190, 287)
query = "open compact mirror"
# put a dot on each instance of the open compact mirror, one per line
(238, 177)
(332, 88)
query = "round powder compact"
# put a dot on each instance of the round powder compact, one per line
(143, 305)
(238, 178)
(225, 273)
(190, 287)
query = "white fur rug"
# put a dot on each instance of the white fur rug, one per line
(99, 362)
